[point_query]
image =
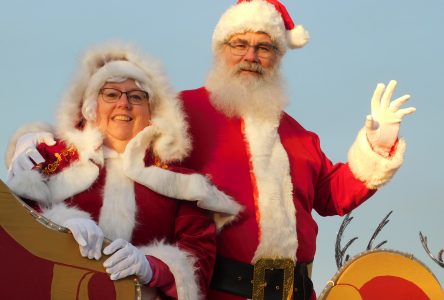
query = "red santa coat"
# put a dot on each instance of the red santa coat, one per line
(134, 197)
(279, 173)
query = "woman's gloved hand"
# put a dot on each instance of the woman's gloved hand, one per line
(88, 235)
(26, 155)
(127, 260)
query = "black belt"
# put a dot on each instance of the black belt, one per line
(236, 278)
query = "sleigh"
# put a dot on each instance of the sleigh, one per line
(381, 274)
(42, 261)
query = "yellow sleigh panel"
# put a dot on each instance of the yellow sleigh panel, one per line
(383, 274)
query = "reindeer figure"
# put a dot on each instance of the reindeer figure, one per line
(438, 259)
(381, 273)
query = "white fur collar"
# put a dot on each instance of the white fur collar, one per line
(276, 210)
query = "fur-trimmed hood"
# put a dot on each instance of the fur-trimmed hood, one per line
(78, 105)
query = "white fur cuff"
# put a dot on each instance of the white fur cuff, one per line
(181, 265)
(30, 185)
(370, 167)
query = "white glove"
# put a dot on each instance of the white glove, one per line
(128, 260)
(383, 124)
(26, 154)
(88, 235)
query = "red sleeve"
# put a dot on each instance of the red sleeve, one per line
(331, 189)
(338, 191)
(196, 234)
(162, 279)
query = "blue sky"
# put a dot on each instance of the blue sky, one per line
(354, 45)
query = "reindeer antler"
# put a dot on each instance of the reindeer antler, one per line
(377, 231)
(437, 259)
(339, 253)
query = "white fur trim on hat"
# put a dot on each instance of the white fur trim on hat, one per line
(259, 16)
(298, 37)
(117, 68)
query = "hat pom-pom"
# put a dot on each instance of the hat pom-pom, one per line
(297, 37)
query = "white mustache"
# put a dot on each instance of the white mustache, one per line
(249, 66)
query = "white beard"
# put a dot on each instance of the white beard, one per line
(259, 97)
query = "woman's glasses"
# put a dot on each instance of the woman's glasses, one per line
(135, 97)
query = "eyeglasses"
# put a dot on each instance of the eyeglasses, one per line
(262, 50)
(135, 97)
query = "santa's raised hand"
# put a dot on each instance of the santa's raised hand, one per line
(384, 122)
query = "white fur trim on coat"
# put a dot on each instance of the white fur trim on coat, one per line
(191, 187)
(60, 213)
(87, 142)
(181, 265)
(277, 212)
(119, 202)
(76, 178)
(370, 167)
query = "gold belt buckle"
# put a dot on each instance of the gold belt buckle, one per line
(259, 283)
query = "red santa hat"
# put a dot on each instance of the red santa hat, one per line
(268, 16)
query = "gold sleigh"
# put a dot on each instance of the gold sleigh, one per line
(40, 260)
(380, 274)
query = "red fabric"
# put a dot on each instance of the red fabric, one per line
(158, 218)
(57, 157)
(220, 151)
(162, 277)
